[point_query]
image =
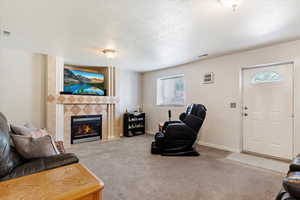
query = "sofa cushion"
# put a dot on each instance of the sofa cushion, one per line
(22, 130)
(41, 164)
(30, 148)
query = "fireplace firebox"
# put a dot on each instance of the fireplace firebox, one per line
(86, 128)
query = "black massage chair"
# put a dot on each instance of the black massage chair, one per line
(178, 137)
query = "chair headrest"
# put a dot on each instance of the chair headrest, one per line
(198, 110)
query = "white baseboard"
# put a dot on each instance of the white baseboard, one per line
(150, 132)
(217, 146)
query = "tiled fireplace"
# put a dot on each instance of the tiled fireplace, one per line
(85, 128)
(83, 109)
(62, 109)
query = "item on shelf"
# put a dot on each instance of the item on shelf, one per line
(140, 109)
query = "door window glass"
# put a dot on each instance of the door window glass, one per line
(266, 77)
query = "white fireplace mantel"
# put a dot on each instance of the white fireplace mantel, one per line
(82, 99)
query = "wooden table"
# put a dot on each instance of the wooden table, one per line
(71, 182)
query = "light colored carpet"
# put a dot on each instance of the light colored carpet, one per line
(130, 172)
(275, 165)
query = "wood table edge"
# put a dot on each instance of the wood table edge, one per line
(71, 195)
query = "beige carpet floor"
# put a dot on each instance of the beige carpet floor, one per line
(130, 172)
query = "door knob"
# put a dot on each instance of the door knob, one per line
(246, 108)
(245, 114)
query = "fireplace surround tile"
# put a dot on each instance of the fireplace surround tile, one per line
(75, 109)
(50, 98)
(87, 109)
(98, 109)
(80, 99)
(89, 99)
(71, 99)
(61, 99)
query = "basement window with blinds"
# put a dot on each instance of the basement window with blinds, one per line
(170, 91)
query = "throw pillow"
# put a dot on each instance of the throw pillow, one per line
(60, 146)
(31, 148)
(31, 126)
(21, 130)
(28, 130)
(38, 133)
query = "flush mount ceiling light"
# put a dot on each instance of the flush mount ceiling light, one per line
(203, 55)
(233, 4)
(109, 53)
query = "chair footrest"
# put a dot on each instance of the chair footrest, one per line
(155, 149)
(183, 153)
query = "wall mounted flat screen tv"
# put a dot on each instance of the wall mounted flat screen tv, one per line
(78, 81)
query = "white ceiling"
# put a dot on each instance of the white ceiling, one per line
(148, 34)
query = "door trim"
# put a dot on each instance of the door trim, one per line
(242, 99)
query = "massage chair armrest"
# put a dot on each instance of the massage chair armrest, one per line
(295, 165)
(179, 131)
(291, 184)
(167, 123)
(182, 117)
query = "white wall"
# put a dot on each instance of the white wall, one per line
(222, 127)
(129, 90)
(22, 86)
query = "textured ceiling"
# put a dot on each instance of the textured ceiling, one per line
(148, 34)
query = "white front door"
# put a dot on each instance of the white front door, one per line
(268, 110)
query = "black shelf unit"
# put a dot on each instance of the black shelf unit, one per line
(134, 124)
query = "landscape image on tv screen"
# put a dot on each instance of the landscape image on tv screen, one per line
(82, 82)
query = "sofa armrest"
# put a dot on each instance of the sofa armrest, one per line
(295, 165)
(41, 164)
(60, 160)
(291, 184)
